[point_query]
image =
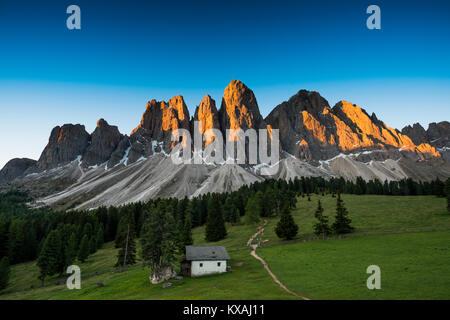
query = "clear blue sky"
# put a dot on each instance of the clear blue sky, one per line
(129, 52)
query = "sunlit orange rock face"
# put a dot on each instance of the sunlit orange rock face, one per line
(306, 121)
(239, 109)
(161, 118)
(158, 122)
(206, 113)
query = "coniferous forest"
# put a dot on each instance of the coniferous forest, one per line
(56, 238)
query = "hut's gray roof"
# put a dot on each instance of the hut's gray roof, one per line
(194, 253)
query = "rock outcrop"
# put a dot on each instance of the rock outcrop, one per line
(104, 141)
(120, 154)
(416, 132)
(66, 143)
(311, 130)
(15, 168)
(208, 116)
(316, 140)
(159, 120)
(164, 274)
(437, 135)
(239, 109)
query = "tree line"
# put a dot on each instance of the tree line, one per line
(58, 238)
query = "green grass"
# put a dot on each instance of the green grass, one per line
(247, 281)
(373, 214)
(301, 266)
(413, 266)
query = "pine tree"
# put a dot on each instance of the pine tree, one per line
(66, 231)
(100, 238)
(447, 193)
(87, 229)
(286, 228)
(230, 212)
(83, 252)
(50, 256)
(215, 226)
(122, 227)
(4, 272)
(16, 241)
(252, 211)
(3, 238)
(321, 228)
(342, 221)
(127, 252)
(158, 240)
(71, 249)
(186, 235)
(92, 245)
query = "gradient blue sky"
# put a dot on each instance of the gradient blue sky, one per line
(129, 52)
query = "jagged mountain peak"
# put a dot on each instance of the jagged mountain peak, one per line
(104, 140)
(206, 113)
(339, 141)
(65, 144)
(239, 109)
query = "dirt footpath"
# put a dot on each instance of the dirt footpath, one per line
(264, 263)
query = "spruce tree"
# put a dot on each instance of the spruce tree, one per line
(215, 226)
(16, 241)
(4, 272)
(50, 256)
(186, 235)
(3, 238)
(229, 210)
(447, 193)
(100, 238)
(286, 228)
(92, 245)
(158, 240)
(87, 229)
(127, 252)
(83, 252)
(321, 228)
(122, 227)
(66, 231)
(71, 250)
(342, 221)
(252, 211)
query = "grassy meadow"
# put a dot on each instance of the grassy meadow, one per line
(408, 237)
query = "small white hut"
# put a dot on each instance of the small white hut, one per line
(204, 260)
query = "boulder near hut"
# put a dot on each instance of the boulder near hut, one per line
(204, 260)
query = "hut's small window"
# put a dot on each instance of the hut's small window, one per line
(218, 264)
(201, 265)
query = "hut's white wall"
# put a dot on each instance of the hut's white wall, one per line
(208, 267)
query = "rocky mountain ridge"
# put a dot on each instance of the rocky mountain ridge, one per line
(315, 139)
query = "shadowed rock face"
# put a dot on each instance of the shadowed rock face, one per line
(437, 135)
(120, 152)
(239, 109)
(206, 113)
(15, 168)
(104, 141)
(66, 143)
(416, 132)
